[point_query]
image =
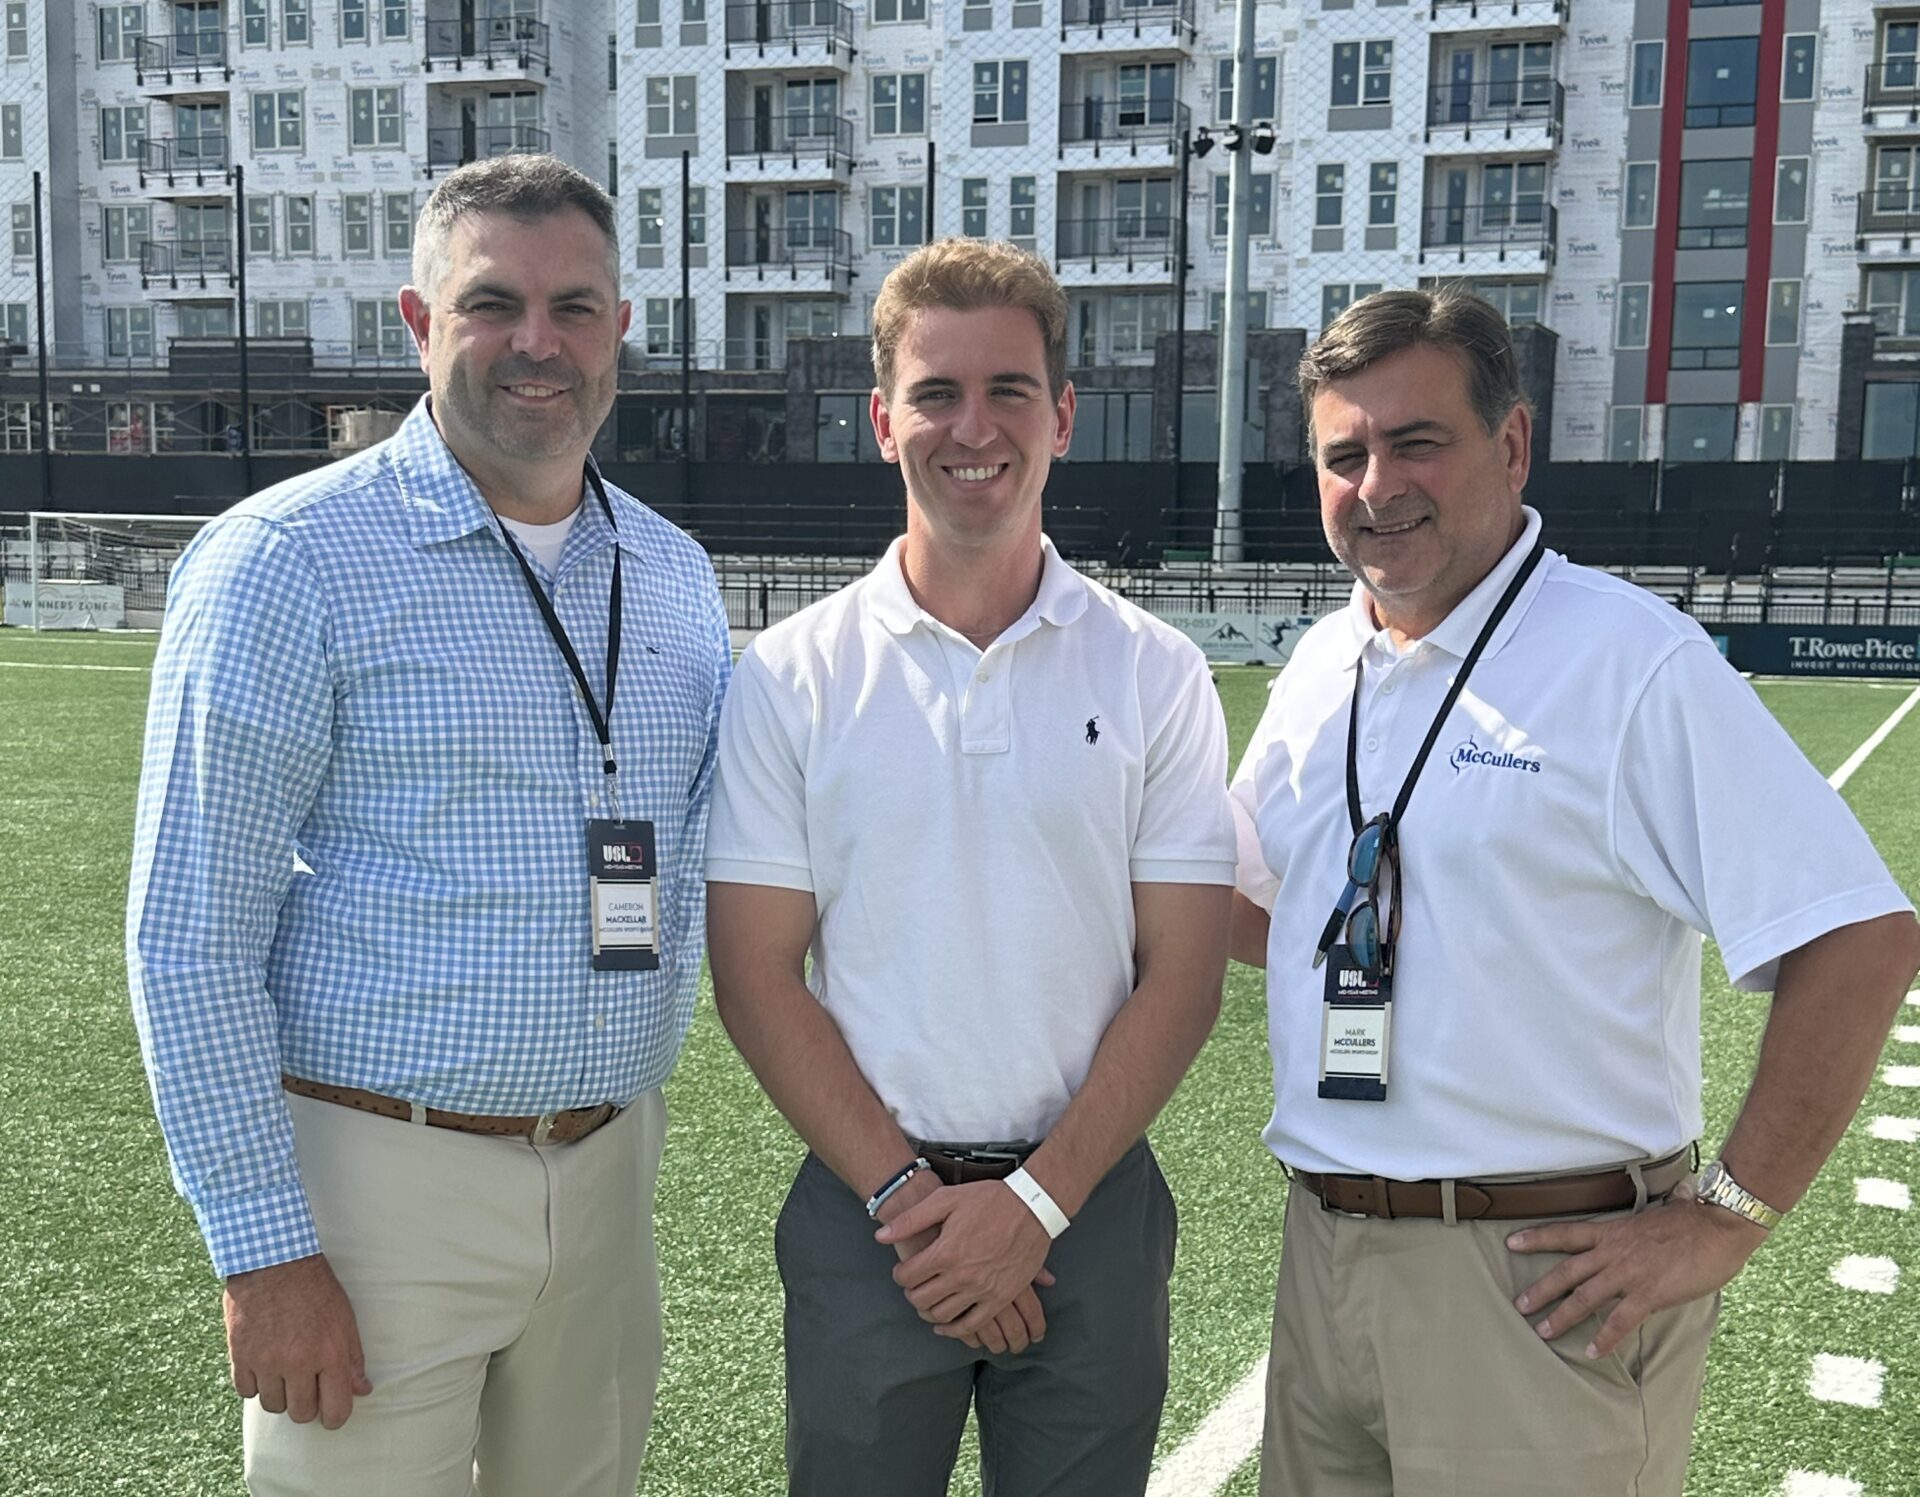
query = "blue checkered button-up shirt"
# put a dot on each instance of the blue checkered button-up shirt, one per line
(361, 851)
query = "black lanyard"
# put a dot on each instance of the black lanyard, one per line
(602, 720)
(1440, 718)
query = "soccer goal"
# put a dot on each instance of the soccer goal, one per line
(88, 571)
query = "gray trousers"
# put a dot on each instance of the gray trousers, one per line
(876, 1402)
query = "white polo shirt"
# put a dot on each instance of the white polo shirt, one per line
(971, 826)
(1606, 789)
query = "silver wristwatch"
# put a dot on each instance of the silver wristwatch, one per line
(1718, 1188)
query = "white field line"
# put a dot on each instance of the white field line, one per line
(1894, 1195)
(1866, 1275)
(1901, 1075)
(1819, 1484)
(1913, 999)
(1849, 1380)
(1879, 736)
(1207, 1458)
(1907, 1034)
(1896, 1130)
(59, 665)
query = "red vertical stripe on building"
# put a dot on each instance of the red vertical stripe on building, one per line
(1766, 151)
(1666, 234)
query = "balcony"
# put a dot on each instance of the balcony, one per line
(1101, 129)
(194, 58)
(1132, 242)
(195, 163)
(1099, 24)
(1887, 220)
(788, 147)
(455, 145)
(169, 261)
(496, 43)
(786, 25)
(1892, 94)
(818, 255)
(1501, 15)
(1490, 235)
(1509, 114)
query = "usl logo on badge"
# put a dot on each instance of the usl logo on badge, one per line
(1470, 755)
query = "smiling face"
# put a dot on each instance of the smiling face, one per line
(1419, 501)
(521, 341)
(972, 424)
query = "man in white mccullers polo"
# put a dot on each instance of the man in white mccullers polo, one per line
(1500, 797)
(990, 797)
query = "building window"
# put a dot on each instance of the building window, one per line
(16, 29)
(253, 23)
(886, 11)
(896, 216)
(1790, 190)
(124, 228)
(296, 23)
(1147, 92)
(1638, 200)
(1713, 203)
(1632, 305)
(397, 210)
(652, 219)
(1336, 297)
(1623, 434)
(1112, 426)
(356, 225)
(353, 23)
(693, 12)
(1893, 301)
(394, 20)
(300, 226)
(1383, 194)
(973, 207)
(13, 144)
(1722, 81)
(120, 30)
(1783, 314)
(123, 130)
(280, 319)
(1899, 51)
(1649, 75)
(897, 104)
(802, 317)
(1259, 205)
(842, 431)
(1330, 197)
(696, 215)
(1706, 325)
(279, 121)
(672, 106)
(1776, 433)
(13, 324)
(1138, 318)
(670, 323)
(1701, 433)
(999, 93)
(1362, 74)
(374, 118)
(1892, 425)
(23, 231)
(1796, 70)
(1217, 309)
(1020, 211)
(1894, 185)
(206, 319)
(259, 226)
(1266, 89)
(1517, 301)
(130, 332)
(379, 332)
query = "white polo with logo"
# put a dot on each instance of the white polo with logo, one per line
(971, 825)
(1606, 789)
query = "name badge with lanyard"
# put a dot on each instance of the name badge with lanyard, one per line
(1356, 1014)
(622, 867)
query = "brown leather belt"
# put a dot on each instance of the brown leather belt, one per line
(961, 1165)
(1499, 1200)
(549, 1128)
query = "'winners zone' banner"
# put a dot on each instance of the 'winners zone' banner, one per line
(1242, 638)
(66, 605)
(1820, 650)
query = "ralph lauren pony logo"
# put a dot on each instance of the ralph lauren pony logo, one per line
(1093, 729)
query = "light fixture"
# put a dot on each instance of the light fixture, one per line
(1203, 142)
(1231, 138)
(1263, 138)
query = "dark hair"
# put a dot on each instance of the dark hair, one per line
(967, 274)
(525, 187)
(1465, 325)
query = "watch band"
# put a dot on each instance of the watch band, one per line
(1716, 1186)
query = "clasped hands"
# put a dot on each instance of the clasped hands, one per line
(970, 1258)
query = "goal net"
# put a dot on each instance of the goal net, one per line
(90, 571)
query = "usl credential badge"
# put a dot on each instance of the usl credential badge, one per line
(624, 876)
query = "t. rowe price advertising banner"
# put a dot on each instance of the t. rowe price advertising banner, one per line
(1821, 650)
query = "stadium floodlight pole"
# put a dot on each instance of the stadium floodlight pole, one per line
(1233, 315)
(246, 386)
(926, 216)
(686, 330)
(46, 394)
(1180, 307)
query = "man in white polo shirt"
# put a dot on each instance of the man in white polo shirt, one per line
(989, 797)
(1499, 797)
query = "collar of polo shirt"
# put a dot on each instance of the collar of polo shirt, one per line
(1060, 601)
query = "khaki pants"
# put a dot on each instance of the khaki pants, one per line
(1400, 1368)
(508, 1302)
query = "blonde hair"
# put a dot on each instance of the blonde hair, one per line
(965, 275)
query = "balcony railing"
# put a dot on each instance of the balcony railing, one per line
(192, 53)
(1475, 8)
(1890, 208)
(793, 251)
(196, 156)
(1497, 105)
(1894, 84)
(792, 137)
(1123, 126)
(1508, 230)
(492, 41)
(760, 24)
(455, 145)
(1134, 16)
(196, 259)
(1132, 239)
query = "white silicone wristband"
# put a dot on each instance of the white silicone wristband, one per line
(1038, 1202)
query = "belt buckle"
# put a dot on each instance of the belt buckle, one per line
(543, 1129)
(988, 1156)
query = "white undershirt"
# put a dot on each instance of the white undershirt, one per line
(544, 542)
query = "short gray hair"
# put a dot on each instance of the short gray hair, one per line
(1449, 318)
(526, 187)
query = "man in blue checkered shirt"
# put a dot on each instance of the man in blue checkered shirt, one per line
(416, 909)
